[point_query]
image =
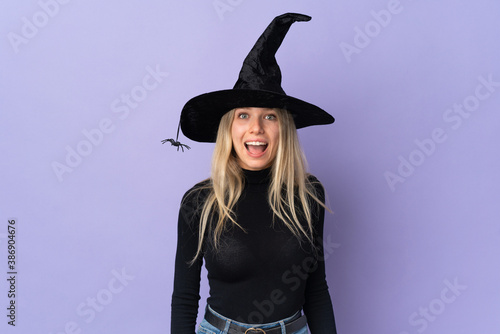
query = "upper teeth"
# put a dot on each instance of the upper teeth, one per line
(256, 143)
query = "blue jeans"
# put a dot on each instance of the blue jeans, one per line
(207, 328)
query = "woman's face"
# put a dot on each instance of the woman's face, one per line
(255, 134)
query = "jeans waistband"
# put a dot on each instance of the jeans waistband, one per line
(287, 325)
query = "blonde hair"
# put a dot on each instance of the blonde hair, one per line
(290, 191)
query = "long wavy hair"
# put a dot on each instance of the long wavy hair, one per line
(290, 194)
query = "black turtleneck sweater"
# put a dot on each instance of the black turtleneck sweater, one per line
(259, 275)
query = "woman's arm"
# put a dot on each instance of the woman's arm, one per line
(318, 305)
(186, 293)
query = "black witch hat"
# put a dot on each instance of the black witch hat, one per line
(258, 85)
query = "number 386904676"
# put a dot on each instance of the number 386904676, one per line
(11, 248)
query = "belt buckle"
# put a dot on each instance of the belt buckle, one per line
(257, 330)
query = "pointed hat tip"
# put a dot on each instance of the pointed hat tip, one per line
(294, 17)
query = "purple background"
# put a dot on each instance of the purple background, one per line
(394, 250)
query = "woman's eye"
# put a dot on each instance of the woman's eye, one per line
(270, 117)
(243, 116)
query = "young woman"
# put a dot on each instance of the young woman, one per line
(258, 220)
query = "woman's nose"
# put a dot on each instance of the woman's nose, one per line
(256, 126)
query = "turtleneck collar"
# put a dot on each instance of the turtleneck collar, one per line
(257, 176)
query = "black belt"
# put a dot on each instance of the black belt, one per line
(294, 325)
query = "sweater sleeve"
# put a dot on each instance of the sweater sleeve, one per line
(186, 294)
(318, 305)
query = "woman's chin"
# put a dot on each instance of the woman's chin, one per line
(253, 165)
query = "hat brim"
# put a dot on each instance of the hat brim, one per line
(201, 115)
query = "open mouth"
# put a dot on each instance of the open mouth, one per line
(256, 148)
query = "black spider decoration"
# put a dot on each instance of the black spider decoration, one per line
(176, 143)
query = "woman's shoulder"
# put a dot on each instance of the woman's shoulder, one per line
(198, 192)
(312, 178)
(315, 182)
(200, 186)
(193, 200)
